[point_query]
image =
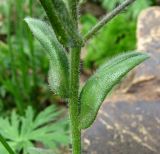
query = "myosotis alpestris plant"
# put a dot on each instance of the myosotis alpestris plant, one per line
(62, 35)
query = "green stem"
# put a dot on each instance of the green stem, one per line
(13, 69)
(73, 5)
(13, 65)
(30, 38)
(20, 38)
(107, 18)
(31, 46)
(74, 101)
(6, 145)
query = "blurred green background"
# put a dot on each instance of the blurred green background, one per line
(25, 97)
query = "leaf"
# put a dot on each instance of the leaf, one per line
(62, 23)
(59, 67)
(3, 150)
(39, 151)
(101, 83)
(22, 132)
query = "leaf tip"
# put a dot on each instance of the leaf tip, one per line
(26, 19)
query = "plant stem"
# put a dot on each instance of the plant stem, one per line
(31, 46)
(74, 101)
(73, 5)
(31, 43)
(6, 145)
(13, 65)
(20, 40)
(107, 18)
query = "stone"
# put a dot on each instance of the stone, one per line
(148, 37)
(125, 128)
(129, 122)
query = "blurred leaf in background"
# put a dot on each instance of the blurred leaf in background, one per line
(119, 36)
(23, 83)
(133, 11)
(39, 151)
(24, 65)
(113, 39)
(44, 129)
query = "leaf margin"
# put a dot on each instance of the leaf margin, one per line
(87, 123)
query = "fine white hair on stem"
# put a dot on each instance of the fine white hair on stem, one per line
(107, 18)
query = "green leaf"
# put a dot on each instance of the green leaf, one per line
(39, 151)
(6, 145)
(59, 67)
(62, 23)
(101, 83)
(47, 128)
(2, 149)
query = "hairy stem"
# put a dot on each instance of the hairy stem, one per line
(73, 5)
(107, 18)
(6, 145)
(74, 101)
